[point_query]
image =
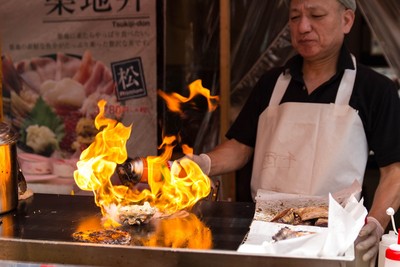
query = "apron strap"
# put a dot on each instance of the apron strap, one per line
(280, 88)
(346, 85)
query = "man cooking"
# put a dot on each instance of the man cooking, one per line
(311, 124)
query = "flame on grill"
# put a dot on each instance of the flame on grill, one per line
(172, 193)
(186, 232)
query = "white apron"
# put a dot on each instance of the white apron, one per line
(308, 148)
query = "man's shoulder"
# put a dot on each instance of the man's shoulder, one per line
(370, 74)
(374, 84)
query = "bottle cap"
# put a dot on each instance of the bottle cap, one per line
(393, 252)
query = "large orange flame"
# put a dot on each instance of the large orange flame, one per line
(196, 88)
(169, 190)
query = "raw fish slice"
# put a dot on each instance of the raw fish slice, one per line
(66, 66)
(107, 88)
(95, 78)
(85, 68)
(11, 79)
(45, 67)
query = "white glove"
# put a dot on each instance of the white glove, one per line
(204, 162)
(368, 240)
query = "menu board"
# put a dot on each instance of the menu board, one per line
(60, 57)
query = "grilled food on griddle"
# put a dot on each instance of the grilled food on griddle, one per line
(136, 214)
(287, 233)
(108, 236)
(313, 215)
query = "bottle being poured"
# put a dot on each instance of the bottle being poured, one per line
(136, 170)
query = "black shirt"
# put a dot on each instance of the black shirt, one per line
(374, 96)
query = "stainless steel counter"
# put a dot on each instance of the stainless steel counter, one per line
(40, 231)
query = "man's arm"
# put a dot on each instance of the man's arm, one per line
(387, 193)
(229, 156)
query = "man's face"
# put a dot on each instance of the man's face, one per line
(318, 27)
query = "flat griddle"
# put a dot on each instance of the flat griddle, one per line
(40, 231)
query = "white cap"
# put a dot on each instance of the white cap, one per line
(351, 4)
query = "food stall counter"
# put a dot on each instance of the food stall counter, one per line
(41, 229)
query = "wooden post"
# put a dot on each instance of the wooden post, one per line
(228, 180)
(1, 81)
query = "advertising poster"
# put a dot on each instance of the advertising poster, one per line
(60, 57)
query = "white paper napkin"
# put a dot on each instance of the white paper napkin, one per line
(343, 226)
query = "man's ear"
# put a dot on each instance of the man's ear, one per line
(348, 20)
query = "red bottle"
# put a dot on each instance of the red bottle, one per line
(392, 255)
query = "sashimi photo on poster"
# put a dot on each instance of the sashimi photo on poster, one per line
(60, 58)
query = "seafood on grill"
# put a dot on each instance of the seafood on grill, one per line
(312, 215)
(134, 214)
(106, 236)
(287, 233)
